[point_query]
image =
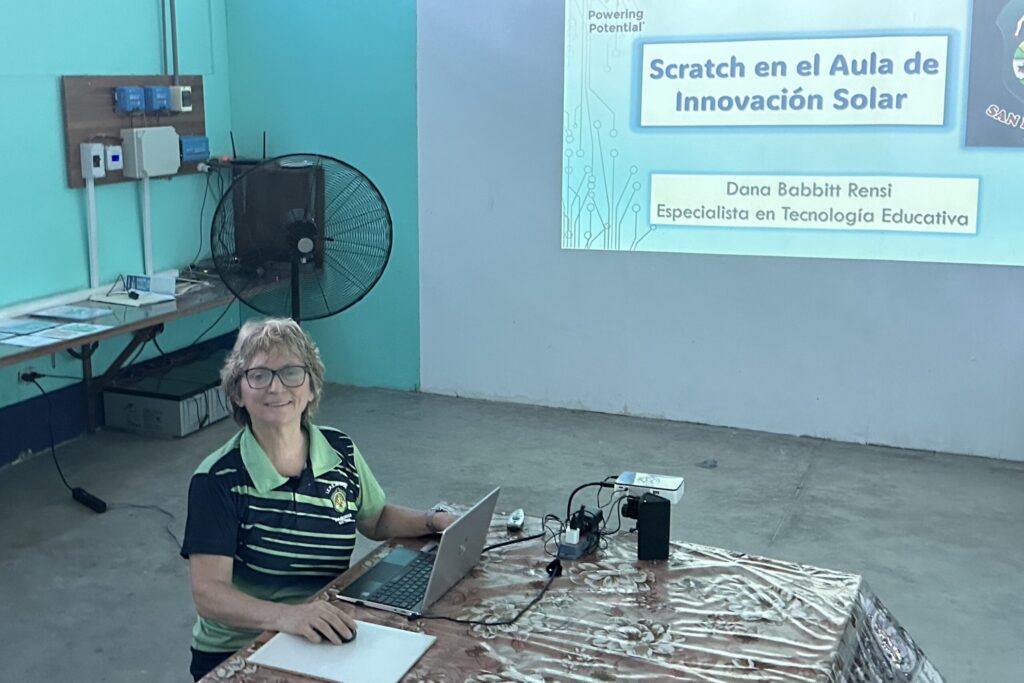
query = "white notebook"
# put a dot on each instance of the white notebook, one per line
(379, 654)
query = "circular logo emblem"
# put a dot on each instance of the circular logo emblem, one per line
(339, 501)
(1018, 63)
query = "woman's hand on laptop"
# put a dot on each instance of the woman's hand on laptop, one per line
(318, 621)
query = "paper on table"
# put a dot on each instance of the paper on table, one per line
(22, 326)
(73, 312)
(72, 330)
(379, 654)
(29, 340)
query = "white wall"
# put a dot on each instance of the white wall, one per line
(913, 355)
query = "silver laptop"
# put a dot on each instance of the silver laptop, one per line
(408, 582)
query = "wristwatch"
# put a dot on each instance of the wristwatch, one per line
(429, 514)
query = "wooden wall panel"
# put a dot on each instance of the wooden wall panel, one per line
(89, 116)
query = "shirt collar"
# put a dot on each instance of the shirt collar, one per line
(262, 472)
(265, 476)
(321, 452)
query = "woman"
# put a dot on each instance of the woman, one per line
(272, 514)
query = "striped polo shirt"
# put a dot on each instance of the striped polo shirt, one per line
(289, 536)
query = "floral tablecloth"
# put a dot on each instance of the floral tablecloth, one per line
(706, 614)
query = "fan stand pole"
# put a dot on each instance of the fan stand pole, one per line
(296, 303)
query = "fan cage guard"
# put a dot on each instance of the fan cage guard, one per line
(305, 235)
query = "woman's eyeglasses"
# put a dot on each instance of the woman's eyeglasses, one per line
(291, 376)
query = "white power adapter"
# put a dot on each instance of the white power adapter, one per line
(571, 536)
(92, 160)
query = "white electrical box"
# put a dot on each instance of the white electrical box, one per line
(115, 157)
(150, 152)
(92, 160)
(181, 98)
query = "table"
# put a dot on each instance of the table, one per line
(706, 614)
(143, 322)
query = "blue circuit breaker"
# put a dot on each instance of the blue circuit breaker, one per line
(129, 99)
(194, 148)
(158, 98)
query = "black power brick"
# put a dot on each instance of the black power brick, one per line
(88, 500)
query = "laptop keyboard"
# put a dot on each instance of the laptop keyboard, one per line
(407, 590)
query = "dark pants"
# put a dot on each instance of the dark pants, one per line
(205, 662)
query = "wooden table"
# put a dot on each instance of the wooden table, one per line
(705, 614)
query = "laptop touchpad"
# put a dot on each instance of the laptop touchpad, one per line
(391, 566)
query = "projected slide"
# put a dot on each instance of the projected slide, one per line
(868, 130)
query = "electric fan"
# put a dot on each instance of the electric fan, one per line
(304, 235)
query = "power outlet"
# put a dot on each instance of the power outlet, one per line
(23, 372)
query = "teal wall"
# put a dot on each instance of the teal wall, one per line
(338, 77)
(42, 221)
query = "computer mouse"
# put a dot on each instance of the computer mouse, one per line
(516, 520)
(346, 639)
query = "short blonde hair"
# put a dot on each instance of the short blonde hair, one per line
(270, 335)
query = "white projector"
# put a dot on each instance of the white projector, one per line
(639, 483)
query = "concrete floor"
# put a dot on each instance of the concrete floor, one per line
(938, 537)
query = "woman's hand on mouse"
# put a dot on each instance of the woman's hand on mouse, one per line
(317, 621)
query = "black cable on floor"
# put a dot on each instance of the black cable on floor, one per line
(167, 527)
(95, 504)
(49, 426)
(80, 494)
